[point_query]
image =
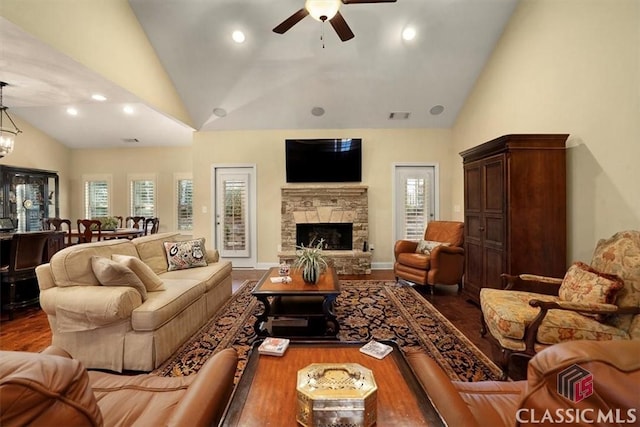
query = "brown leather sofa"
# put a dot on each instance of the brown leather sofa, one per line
(443, 265)
(52, 389)
(557, 371)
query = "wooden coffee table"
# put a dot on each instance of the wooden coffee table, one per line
(266, 393)
(311, 304)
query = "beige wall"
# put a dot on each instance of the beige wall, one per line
(265, 149)
(163, 163)
(569, 66)
(34, 149)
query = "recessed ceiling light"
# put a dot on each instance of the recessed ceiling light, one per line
(238, 36)
(98, 97)
(409, 34)
(128, 109)
(220, 112)
(72, 111)
(436, 109)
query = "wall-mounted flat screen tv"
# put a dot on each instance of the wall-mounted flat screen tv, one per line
(324, 160)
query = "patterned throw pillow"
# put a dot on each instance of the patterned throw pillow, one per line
(112, 273)
(583, 284)
(185, 254)
(426, 246)
(150, 279)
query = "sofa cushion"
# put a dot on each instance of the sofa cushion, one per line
(163, 306)
(426, 246)
(71, 266)
(583, 284)
(150, 279)
(210, 275)
(150, 249)
(112, 273)
(185, 254)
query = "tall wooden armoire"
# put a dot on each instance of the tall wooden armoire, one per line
(515, 210)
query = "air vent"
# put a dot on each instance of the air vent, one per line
(397, 115)
(130, 140)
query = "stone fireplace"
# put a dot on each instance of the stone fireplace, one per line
(338, 213)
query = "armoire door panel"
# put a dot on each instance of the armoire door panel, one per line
(494, 231)
(493, 268)
(473, 227)
(473, 195)
(494, 191)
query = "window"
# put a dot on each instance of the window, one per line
(97, 195)
(184, 201)
(142, 190)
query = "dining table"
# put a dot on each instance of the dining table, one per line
(118, 233)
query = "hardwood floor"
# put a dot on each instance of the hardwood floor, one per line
(29, 331)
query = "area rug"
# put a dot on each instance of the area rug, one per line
(366, 309)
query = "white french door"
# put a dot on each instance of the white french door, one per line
(415, 200)
(234, 220)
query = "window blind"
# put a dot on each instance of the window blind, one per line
(96, 199)
(185, 204)
(143, 198)
(415, 208)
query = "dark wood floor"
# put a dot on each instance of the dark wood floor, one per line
(29, 331)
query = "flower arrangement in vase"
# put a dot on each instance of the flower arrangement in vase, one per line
(311, 260)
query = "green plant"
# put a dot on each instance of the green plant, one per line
(108, 222)
(311, 260)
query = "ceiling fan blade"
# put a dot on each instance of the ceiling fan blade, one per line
(367, 1)
(342, 28)
(291, 21)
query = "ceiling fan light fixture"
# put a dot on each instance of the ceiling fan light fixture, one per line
(8, 129)
(322, 10)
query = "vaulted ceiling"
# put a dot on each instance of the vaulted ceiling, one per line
(270, 81)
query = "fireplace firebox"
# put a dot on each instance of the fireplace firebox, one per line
(336, 236)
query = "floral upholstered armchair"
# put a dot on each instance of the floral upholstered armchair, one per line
(600, 301)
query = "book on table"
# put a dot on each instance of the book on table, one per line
(273, 346)
(376, 349)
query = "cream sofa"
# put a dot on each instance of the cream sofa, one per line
(111, 327)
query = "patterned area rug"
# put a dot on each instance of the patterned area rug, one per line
(366, 309)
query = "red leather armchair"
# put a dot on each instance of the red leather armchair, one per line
(52, 389)
(612, 389)
(443, 265)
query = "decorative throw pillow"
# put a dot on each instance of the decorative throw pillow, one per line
(150, 279)
(112, 273)
(583, 284)
(185, 254)
(426, 246)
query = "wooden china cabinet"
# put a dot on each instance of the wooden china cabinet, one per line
(514, 209)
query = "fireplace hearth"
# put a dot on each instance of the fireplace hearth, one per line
(336, 236)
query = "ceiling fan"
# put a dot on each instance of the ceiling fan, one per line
(325, 10)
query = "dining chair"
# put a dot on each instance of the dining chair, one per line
(26, 253)
(120, 221)
(134, 221)
(58, 224)
(88, 229)
(151, 225)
